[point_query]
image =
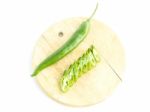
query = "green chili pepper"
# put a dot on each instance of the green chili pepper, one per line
(85, 63)
(77, 37)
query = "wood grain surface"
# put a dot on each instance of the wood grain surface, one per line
(93, 86)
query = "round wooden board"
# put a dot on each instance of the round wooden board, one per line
(93, 86)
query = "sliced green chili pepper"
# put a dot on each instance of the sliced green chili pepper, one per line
(85, 63)
(77, 37)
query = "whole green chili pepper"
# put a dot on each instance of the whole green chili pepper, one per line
(85, 63)
(77, 37)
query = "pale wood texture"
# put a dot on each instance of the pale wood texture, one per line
(95, 85)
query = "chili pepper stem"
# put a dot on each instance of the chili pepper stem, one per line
(93, 12)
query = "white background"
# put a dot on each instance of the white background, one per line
(22, 22)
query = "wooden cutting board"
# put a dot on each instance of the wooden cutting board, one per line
(93, 86)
